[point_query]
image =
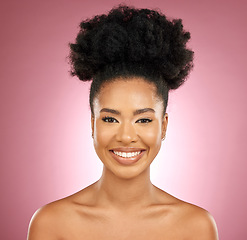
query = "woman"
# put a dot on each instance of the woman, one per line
(134, 56)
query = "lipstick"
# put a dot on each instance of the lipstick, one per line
(127, 156)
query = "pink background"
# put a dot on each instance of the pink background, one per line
(46, 147)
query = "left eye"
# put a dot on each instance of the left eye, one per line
(144, 120)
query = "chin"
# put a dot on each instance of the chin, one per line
(127, 172)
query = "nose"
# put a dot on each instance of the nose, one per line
(126, 133)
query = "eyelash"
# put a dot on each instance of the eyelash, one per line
(113, 120)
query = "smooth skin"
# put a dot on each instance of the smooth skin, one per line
(123, 203)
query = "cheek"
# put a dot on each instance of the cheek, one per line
(102, 135)
(151, 136)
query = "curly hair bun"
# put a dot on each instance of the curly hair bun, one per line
(132, 36)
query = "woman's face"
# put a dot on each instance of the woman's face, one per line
(128, 125)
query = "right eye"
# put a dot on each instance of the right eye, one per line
(109, 119)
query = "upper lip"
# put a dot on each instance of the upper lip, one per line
(127, 149)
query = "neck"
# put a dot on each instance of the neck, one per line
(120, 193)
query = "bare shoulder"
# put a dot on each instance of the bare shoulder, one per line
(56, 219)
(197, 223)
(46, 220)
(187, 221)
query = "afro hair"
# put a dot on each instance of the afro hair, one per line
(132, 39)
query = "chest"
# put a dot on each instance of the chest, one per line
(123, 229)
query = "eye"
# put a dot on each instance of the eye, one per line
(109, 119)
(144, 120)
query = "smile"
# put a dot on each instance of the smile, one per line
(127, 154)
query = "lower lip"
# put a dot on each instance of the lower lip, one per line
(127, 161)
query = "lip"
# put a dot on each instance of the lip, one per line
(127, 161)
(127, 149)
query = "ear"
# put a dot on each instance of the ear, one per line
(164, 125)
(92, 125)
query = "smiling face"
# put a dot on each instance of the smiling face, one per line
(128, 125)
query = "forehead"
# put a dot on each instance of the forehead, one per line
(132, 93)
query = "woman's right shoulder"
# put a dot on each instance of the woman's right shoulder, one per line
(47, 219)
(54, 218)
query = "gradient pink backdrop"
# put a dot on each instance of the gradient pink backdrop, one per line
(46, 147)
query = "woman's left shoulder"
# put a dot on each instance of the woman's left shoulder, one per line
(198, 222)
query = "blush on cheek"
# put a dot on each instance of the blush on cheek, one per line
(152, 137)
(103, 136)
(151, 133)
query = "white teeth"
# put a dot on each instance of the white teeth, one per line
(127, 154)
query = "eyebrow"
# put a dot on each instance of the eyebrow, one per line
(136, 112)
